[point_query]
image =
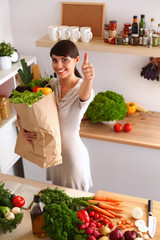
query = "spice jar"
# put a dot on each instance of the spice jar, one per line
(106, 32)
(4, 108)
(155, 40)
(125, 39)
(112, 31)
(126, 28)
(135, 39)
(119, 39)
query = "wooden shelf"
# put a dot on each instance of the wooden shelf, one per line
(145, 132)
(98, 45)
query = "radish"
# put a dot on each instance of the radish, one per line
(91, 238)
(95, 233)
(92, 225)
(89, 231)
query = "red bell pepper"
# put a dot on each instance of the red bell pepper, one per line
(83, 216)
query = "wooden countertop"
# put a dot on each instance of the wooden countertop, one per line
(145, 130)
(23, 231)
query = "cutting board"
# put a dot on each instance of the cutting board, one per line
(130, 202)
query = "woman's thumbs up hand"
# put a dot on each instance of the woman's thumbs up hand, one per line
(87, 69)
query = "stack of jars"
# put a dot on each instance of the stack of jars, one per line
(4, 108)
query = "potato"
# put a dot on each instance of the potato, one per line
(104, 238)
(104, 231)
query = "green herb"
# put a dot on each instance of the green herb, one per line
(49, 196)
(6, 49)
(26, 97)
(107, 106)
(25, 72)
(60, 222)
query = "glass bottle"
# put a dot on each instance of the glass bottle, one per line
(152, 28)
(135, 25)
(106, 32)
(145, 37)
(129, 35)
(141, 36)
(142, 23)
(158, 32)
(36, 212)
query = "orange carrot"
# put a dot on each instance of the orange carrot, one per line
(106, 206)
(100, 210)
(104, 198)
(115, 214)
(97, 201)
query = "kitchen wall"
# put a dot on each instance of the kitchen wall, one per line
(133, 168)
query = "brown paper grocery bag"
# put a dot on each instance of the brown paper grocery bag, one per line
(41, 119)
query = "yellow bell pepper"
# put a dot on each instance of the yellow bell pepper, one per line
(45, 90)
(131, 107)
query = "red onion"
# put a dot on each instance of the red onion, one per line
(116, 234)
(130, 235)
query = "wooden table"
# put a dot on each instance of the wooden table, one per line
(145, 130)
(24, 231)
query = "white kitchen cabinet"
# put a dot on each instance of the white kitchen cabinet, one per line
(8, 130)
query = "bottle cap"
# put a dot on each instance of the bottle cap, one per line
(152, 19)
(36, 199)
(134, 17)
(142, 16)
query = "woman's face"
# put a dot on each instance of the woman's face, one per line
(64, 66)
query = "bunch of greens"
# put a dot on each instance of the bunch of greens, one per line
(60, 222)
(107, 106)
(26, 97)
(49, 196)
(5, 200)
(6, 49)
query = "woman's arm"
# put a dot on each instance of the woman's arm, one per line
(86, 86)
(28, 135)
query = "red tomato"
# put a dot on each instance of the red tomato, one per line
(18, 201)
(118, 127)
(91, 214)
(96, 215)
(98, 224)
(35, 89)
(105, 221)
(100, 219)
(111, 225)
(127, 127)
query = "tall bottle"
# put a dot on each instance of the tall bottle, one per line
(152, 28)
(135, 25)
(142, 23)
(36, 212)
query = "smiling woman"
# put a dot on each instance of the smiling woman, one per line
(73, 95)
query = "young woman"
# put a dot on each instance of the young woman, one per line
(73, 95)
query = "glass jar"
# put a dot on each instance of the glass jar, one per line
(106, 32)
(125, 39)
(155, 40)
(4, 108)
(126, 28)
(112, 32)
(119, 40)
(135, 40)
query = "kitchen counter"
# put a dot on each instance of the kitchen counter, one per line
(23, 231)
(145, 130)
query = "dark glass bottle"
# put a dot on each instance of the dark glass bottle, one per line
(142, 23)
(36, 212)
(135, 25)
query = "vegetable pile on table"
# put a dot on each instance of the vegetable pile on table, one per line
(10, 212)
(107, 106)
(81, 218)
(33, 87)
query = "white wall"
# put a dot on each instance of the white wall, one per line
(121, 73)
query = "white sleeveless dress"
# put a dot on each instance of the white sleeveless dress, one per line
(74, 172)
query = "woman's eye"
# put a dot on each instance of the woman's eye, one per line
(65, 60)
(54, 60)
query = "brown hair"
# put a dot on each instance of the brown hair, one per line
(66, 48)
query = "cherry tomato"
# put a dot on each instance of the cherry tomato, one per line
(118, 127)
(18, 201)
(91, 214)
(100, 219)
(111, 225)
(105, 221)
(98, 224)
(96, 215)
(127, 127)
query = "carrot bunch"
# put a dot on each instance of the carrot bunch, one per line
(106, 207)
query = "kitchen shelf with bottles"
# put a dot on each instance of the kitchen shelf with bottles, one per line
(98, 45)
(8, 130)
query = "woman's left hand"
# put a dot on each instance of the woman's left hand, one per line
(87, 69)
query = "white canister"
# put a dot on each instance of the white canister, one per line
(5, 62)
(54, 33)
(86, 34)
(74, 33)
(65, 33)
